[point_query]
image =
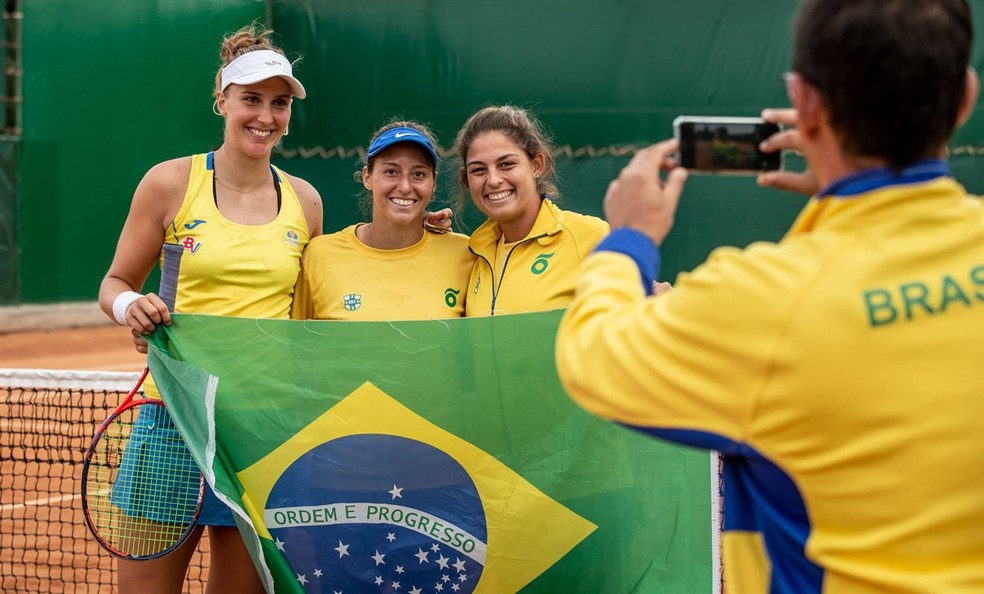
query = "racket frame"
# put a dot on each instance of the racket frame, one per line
(128, 402)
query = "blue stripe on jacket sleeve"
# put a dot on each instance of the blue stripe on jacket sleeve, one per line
(638, 246)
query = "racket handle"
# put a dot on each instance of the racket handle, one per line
(169, 273)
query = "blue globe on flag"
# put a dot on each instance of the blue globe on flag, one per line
(379, 513)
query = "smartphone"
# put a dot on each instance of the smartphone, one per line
(725, 145)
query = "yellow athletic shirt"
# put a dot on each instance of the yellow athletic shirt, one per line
(230, 269)
(344, 279)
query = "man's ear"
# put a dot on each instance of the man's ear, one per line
(971, 90)
(811, 110)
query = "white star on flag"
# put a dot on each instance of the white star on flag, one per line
(280, 544)
(396, 492)
(379, 580)
(420, 554)
(390, 536)
(399, 569)
(442, 561)
(435, 547)
(378, 558)
(317, 573)
(459, 565)
(439, 587)
(342, 549)
(301, 579)
(416, 590)
(395, 585)
(455, 587)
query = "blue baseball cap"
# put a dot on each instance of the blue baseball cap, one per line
(401, 134)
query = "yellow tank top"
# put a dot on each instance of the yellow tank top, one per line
(230, 269)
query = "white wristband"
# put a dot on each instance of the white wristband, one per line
(122, 302)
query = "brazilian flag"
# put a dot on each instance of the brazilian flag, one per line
(429, 457)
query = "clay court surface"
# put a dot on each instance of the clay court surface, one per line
(44, 545)
(102, 348)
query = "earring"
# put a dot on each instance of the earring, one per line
(286, 130)
(215, 108)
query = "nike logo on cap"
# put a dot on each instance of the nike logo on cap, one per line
(402, 134)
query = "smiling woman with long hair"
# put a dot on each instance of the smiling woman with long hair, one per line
(529, 251)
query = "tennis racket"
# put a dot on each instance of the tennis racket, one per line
(142, 491)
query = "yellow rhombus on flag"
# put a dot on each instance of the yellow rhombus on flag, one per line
(371, 492)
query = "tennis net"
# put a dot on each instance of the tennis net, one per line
(47, 419)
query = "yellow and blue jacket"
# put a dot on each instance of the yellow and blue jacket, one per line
(537, 273)
(840, 374)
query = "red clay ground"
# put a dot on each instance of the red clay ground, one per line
(100, 348)
(47, 548)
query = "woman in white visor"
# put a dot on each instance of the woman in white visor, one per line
(241, 225)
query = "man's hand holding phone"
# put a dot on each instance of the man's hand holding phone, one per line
(640, 199)
(788, 139)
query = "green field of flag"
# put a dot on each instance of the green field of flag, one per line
(423, 457)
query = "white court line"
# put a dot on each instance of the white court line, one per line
(46, 501)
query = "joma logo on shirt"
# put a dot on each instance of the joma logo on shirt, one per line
(540, 264)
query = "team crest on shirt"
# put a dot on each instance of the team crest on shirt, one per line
(292, 238)
(352, 301)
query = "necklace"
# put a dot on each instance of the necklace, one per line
(240, 190)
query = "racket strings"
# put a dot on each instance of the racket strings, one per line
(143, 488)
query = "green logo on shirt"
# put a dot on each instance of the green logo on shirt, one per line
(919, 298)
(451, 297)
(352, 301)
(540, 264)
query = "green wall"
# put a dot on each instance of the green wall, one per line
(112, 87)
(597, 73)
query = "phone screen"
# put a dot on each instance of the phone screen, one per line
(725, 145)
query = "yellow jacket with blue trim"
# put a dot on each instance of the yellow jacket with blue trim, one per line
(540, 270)
(839, 372)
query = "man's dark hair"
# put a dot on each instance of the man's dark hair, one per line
(891, 72)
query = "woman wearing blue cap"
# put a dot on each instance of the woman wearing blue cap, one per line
(390, 268)
(241, 225)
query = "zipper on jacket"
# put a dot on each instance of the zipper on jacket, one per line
(505, 265)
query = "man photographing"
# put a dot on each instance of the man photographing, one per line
(839, 372)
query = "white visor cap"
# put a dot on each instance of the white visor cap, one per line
(257, 66)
